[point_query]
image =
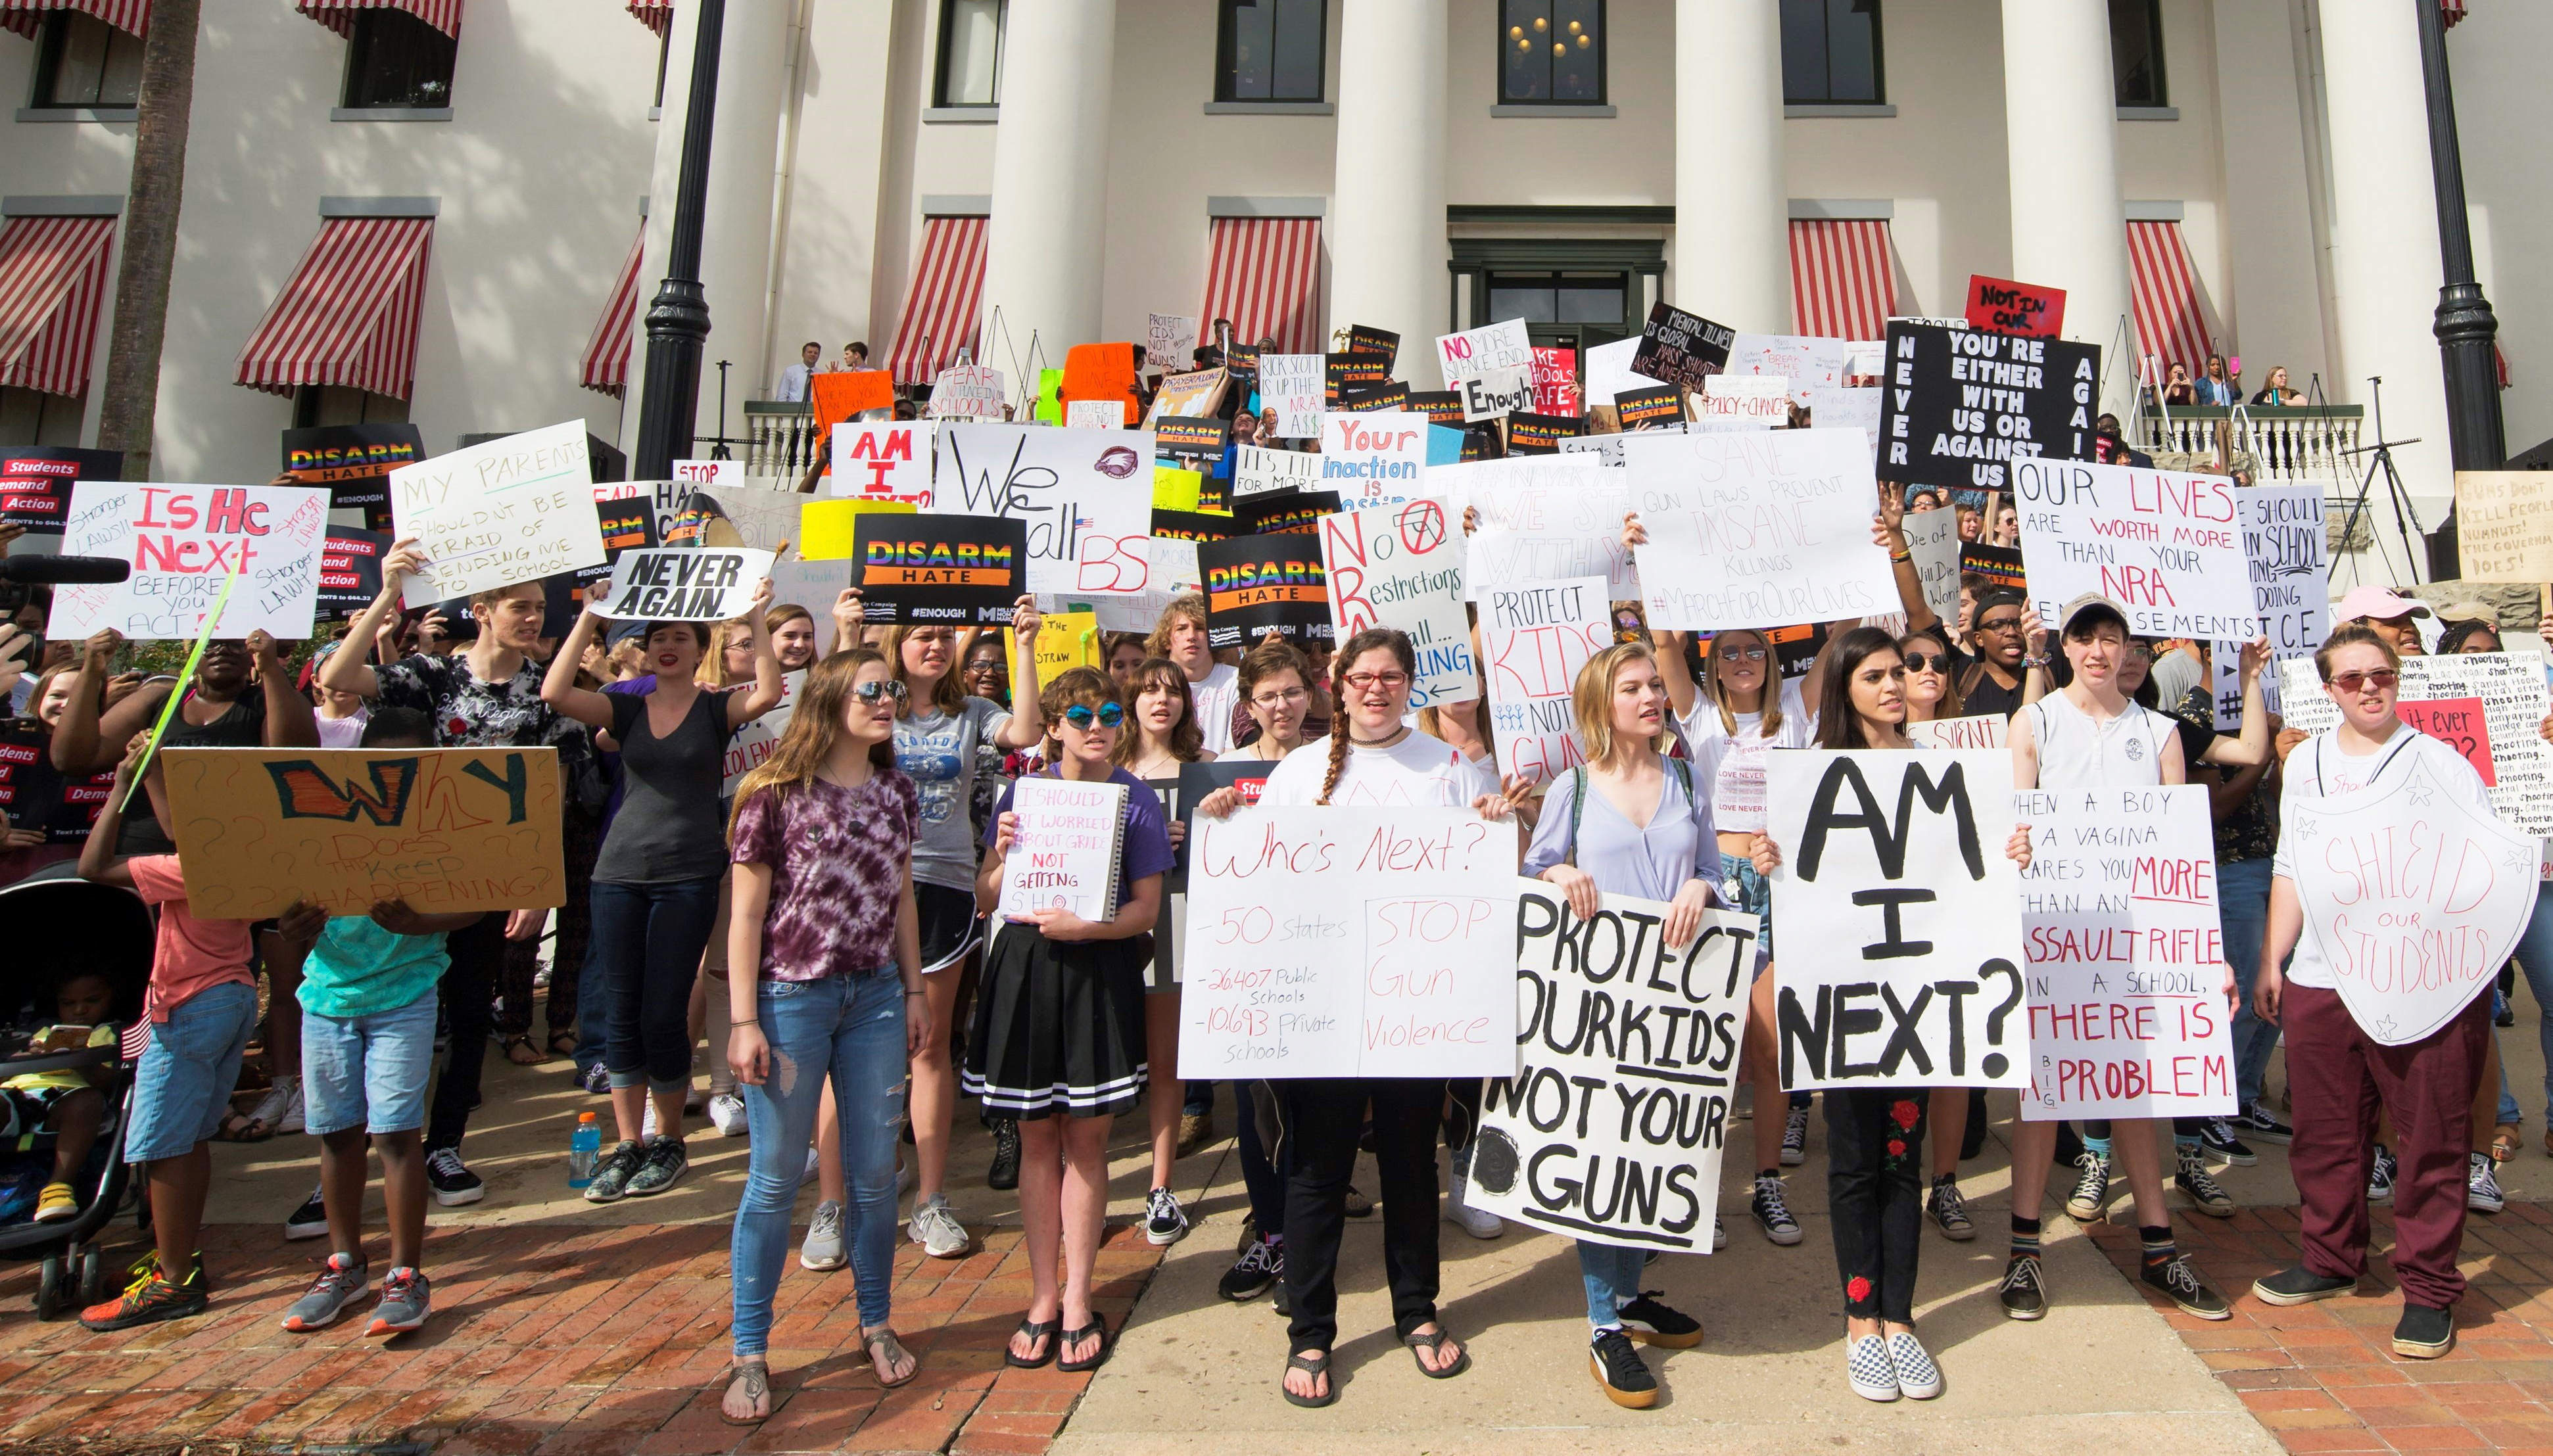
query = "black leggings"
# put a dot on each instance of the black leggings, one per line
(649, 938)
(1875, 1196)
(469, 988)
(1324, 1117)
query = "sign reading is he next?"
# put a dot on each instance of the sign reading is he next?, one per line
(1959, 404)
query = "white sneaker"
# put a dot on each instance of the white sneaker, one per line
(938, 1230)
(1917, 1378)
(281, 1108)
(1478, 1224)
(824, 1247)
(2482, 1185)
(809, 1176)
(727, 1114)
(1867, 1370)
(647, 1120)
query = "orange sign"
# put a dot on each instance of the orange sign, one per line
(1100, 372)
(838, 397)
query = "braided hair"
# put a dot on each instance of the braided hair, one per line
(1371, 639)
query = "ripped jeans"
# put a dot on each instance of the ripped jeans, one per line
(852, 1028)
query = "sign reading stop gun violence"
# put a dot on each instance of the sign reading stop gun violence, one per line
(2511, 689)
(1757, 529)
(1533, 640)
(1350, 942)
(1612, 1127)
(1960, 405)
(515, 510)
(2128, 1016)
(184, 542)
(2167, 546)
(446, 829)
(1402, 567)
(1893, 870)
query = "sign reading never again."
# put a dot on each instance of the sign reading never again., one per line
(684, 584)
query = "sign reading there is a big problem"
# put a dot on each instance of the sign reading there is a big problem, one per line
(1253, 583)
(687, 583)
(1960, 405)
(1680, 347)
(939, 570)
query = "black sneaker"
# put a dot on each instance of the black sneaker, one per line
(452, 1181)
(1619, 1371)
(2216, 1135)
(2192, 1178)
(1259, 1264)
(612, 1175)
(2297, 1284)
(2175, 1281)
(2380, 1175)
(1281, 1302)
(1165, 1222)
(2025, 1289)
(1795, 1137)
(1004, 1174)
(308, 1221)
(660, 1167)
(596, 1080)
(151, 1298)
(1772, 1212)
(1653, 1323)
(2422, 1333)
(1950, 1211)
(2262, 1125)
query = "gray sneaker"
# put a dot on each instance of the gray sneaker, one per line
(613, 1174)
(404, 1304)
(341, 1284)
(824, 1247)
(938, 1230)
(660, 1167)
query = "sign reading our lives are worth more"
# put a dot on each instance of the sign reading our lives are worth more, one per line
(184, 543)
(2166, 545)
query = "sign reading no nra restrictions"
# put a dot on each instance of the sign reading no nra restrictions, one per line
(1892, 865)
(1961, 404)
(184, 542)
(1533, 640)
(446, 830)
(1613, 1126)
(1350, 942)
(1253, 583)
(2167, 546)
(686, 582)
(509, 510)
(939, 570)
(1757, 529)
(1402, 567)
(1680, 347)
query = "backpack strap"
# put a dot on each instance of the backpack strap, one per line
(1577, 808)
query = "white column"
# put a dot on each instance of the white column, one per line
(2061, 133)
(2385, 269)
(1387, 223)
(1050, 221)
(1732, 240)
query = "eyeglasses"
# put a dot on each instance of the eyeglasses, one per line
(877, 689)
(1109, 715)
(1273, 701)
(1735, 653)
(2382, 680)
(2140, 652)
(2000, 624)
(1928, 662)
(1390, 682)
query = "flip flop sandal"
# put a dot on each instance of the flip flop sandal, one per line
(1301, 1360)
(239, 1127)
(1099, 1357)
(2506, 1142)
(894, 1347)
(1436, 1344)
(747, 1373)
(562, 1044)
(1035, 1331)
(510, 1045)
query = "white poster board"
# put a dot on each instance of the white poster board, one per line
(1610, 373)
(2283, 536)
(184, 543)
(685, 583)
(1642, 1170)
(508, 511)
(1893, 870)
(1173, 572)
(1064, 855)
(2166, 545)
(1402, 567)
(1086, 495)
(967, 392)
(1373, 459)
(750, 745)
(1541, 517)
(1730, 403)
(2128, 1016)
(1345, 942)
(709, 471)
(1258, 471)
(1533, 639)
(1838, 409)
(1932, 540)
(881, 460)
(1486, 350)
(1759, 530)
(1094, 415)
(1295, 386)
(1805, 363)
(1494, 393)
(1170, 342)
(2511, 688)
(1986, 730)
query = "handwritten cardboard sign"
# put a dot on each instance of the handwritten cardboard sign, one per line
(1259, 472)
(1743, 402)
(1680, 347)
(2511, 687)
(1541, 518)
(2504, 524)
(1960, 405)
(1757, 529)
(508, 511)
(1065, 853)
(1169, 341)
(1932, 540)
(749, 746)
(184, 541)
(1293, 385)
(1496, 392)
(1533, 640)
(1857, 408)
(2002, 306)
(2166, 545)
(709, 471)
(840, 394)
(1484, 350)
(1986, 730)
(2458, 723)
(967, 392)
(1805, 363)
(1084, 496)
(959, 571)
(1555, 382)
(1402, 567)
(1372, 460)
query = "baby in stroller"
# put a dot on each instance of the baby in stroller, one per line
(69, 1102)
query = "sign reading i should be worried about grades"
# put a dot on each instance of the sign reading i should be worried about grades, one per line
(184, 542)
(939, 570)
(1344, 942)
(1612, 1128)
(1402, 567)
(515, 510)
(1533, 640)
(1757, 529)
(1893, 865)
(2167, 546)
(685, 583)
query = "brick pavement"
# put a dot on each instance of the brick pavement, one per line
(555, 1339)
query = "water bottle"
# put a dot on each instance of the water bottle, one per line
(584, 1149)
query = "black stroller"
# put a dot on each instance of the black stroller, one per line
(56, 926)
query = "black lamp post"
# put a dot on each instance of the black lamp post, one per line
(678, 321)
(2464, 325)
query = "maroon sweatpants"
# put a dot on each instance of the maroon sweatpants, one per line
(2339, 1077)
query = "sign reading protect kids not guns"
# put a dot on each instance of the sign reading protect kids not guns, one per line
(1533, 640)
(184, 541)
(446, 829)
(1350, 942)
(1893, 863)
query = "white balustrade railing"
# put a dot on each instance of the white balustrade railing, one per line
(2292, 445)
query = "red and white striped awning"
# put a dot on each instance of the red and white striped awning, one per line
(53, 280)
(133, 16)
(348, 314)
(940, 309)
(606, 354)
(1843, 278)
(2454, 10)
(2170, 310)
(339, 15)
(1265, 274)
(655, 15)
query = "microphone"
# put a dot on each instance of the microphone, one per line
(65, 570)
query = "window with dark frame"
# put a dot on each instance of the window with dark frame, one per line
(2136, 51)
(1831, 53)
(1271, 51)
(970, 53)
(81, 61)
(1572, 298)
(394, 59)
(1551, 53)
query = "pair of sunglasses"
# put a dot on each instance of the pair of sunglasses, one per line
(1080, 716)
(875, 689)
(2382, 678)
(1928, 662)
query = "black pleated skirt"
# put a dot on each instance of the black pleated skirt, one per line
(1059, 1026)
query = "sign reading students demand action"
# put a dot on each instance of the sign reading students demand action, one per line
(1961, 404)
(686, 582)
(940, 570)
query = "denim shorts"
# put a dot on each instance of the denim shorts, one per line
(182, 1087)
(1746, 890)
(367, 1072)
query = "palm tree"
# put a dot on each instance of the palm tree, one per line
(167, 101)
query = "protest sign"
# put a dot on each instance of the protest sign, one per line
(1757, 529)
(710, 471)
(882, 460)
(2504, 524)
(1540, 435)
(750, 745)
(967, 390)
(1350, 942)
(1932, 540)
(1390, 398)
(1609, 374)
(1372, 460)
(184, 541)
(1343, 375)
(1989, 730)
(38, 799)
(1169, 341)
(742, 516)
(1496, 392)
(1174, 489)
(1173, 571)
(626, 525)
(449, 831)
(1540, 519)
(350, 572)
(1257, 471)
(1836, 409)
(939, 570)
(1805, 363)
(1680, 347)
(2458, 723)
(1402, 567)
(1065, 640)
(1484, 350)
(2002, 306)
(1741, 403)
(828, 530)
(354, 461)
(1094, 415)
(685, 584)
(1253, 583)
(1193, 525)
(1612, 1128)
(508, 511)
(1999, 565)
(2413, 896)
(2126, 963)
(1297, 513)
(1899, 856)
(1243, 776)
(1064, 854)
(2285, 541)
(1533, 640)
(1085, 495)
(1370, 342)
(1555, 382)
(1050, 399)
(2167, 546)
(1180, 434)
(1293, 385)
(2511, 689)
(1107, 371)
(1641, 409)
(840, 394)
(1961, 404)
(35, 482)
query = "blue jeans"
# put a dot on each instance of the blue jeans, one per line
(850, 1028)
(2243, 910)
(367, 1072)
(2535, 958)
(183, 1084)
(649, 938)
(1612, 1276)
